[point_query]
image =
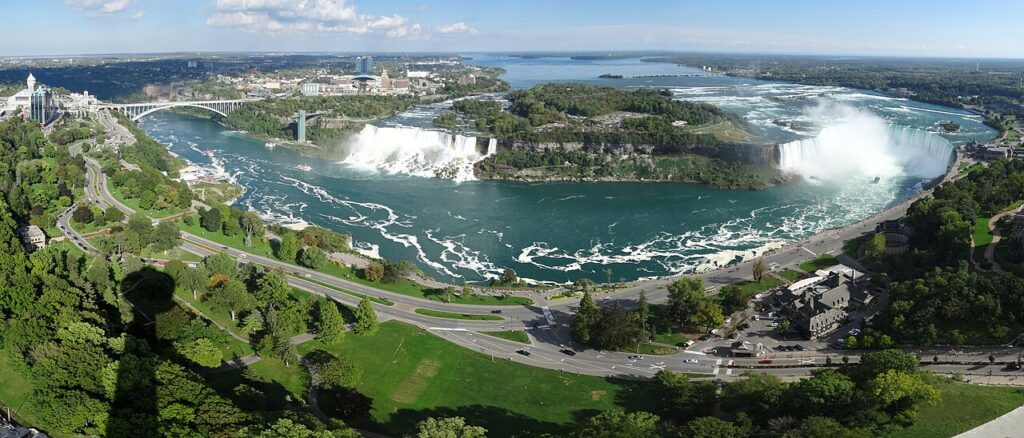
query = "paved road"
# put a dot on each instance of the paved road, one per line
(547, 324)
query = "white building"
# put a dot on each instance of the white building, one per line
(32, 237)
(22, 98)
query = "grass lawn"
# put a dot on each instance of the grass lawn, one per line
(292, 378)
(451, 315)
(134, 204)
(822, 262)
(753, 287)
(259, 246)
(219, 316)
(413, 289)
(519, 336)
(962, 407)
(982, 238)
(86, 228)
(410, 375)
(72, 248)
(663, 332)
(790, 274)
(15, 389)
(172, 254)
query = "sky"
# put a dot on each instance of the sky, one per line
(935, 28)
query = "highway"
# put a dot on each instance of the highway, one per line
(547, 323)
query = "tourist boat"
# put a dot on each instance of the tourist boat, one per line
(876, 180)
(269, 145)
(304, 167)
(209, 154)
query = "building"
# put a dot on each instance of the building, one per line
(417, 74)
(994, 152)
(897, 236)
(43, 109)
(820, 304)
(364, 65)
(32, 237)
(22, 98)
(385, 81)
(311, 89)
(467, 80)
(746, 349)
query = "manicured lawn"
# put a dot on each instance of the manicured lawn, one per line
(259, 246)
(962, 407)
(651, 349)
(663, 332)
(410, 374)
(790, 274)
(72, 248)
(753, 287)
(452, 315)
(822, 262)
(293, 378)
(219, 316)
(172, 254)
(15, 389)
(404, 287)
(412, 289)
(982, 234)
(519, 336)
(348, 292)
(134, 204)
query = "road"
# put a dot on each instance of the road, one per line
(547, 323)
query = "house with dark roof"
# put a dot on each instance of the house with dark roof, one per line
(820, 304)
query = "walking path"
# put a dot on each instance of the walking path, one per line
(990, 249)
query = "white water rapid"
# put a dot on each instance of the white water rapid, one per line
(415, 151)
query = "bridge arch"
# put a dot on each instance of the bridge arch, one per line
(175, 105)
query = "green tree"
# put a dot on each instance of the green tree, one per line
(711, 427)
(232, 296)
(875, 247)
(113, 215)
(826, 391)
(211, 220)
(82, 214)
(586, 317)
(374, 271)
(732, 299)
(252, 225)
(618, 424)
(272, 289)
(614, 329)
(328, 371)
(682, 400)
(165, 236)
(708, 316)
(759, 395)
(202, 351)
(453, 427)
(221, 263)
(643, 313)
(900, 394)
(288, 249)
(685, 296)
(313, 258)
(330, 328)
(760, 269)
(366, 318)
(253, 322)
(194, 280)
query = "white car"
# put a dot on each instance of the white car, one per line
(854, 332)
(690, 361)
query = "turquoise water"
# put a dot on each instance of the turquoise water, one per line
(559, 232)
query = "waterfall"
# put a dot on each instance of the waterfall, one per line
(492, 147)
(866, 146)
(415, 151)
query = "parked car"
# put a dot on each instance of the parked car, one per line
(854, 332)
(496, 311)
(1013, 366)
(567, 352)
(523, 352)
(766, 361)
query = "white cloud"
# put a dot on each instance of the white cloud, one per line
(459, 27)
(138, 14)
(326, 16)
(102, 7)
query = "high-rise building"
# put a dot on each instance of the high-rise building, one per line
(364, 65)
(385, 81)
(42, 107)
(300, 128)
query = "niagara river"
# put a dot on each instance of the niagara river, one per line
(405, 192)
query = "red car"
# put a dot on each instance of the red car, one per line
(766, 361)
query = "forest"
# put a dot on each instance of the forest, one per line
(275, 118)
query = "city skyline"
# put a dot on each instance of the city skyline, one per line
(938, 29)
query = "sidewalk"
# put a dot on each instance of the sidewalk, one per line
(1009, 425)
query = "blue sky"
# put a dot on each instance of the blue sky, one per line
(980, 28)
